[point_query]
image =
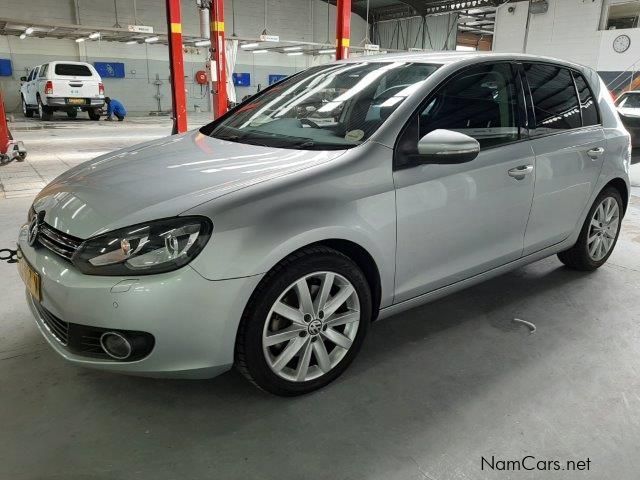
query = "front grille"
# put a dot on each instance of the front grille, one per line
(58, 328)
(58, 242)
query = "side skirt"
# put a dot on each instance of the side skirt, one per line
(481, 277)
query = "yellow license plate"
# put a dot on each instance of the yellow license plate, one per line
(76, 101)
(30, 277)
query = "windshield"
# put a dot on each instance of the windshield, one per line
(629, 100)
(331, 107)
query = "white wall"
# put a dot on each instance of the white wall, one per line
(569, 30)
(301, 20)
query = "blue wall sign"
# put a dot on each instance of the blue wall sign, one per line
(5, 67)
(110, 69)
(242, 79)
(276, 78)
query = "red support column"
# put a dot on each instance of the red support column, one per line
(343, 29)
(218, 58)
(176, 65)
(5, 136)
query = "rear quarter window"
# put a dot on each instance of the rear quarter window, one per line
(588, 105)
(69, 69)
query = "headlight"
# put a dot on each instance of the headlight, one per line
(143, 249)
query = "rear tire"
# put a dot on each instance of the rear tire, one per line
(44, 112)
(290, 342)
(94, 114)
(599, 233)
(26, 111)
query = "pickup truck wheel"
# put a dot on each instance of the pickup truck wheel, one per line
(45, 112)
(73, 113)
(94, 113)
(26, 110)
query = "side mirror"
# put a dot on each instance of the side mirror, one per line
(23, 79)
(447, 146)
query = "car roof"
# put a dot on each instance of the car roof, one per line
(452, 57)
(69, 62)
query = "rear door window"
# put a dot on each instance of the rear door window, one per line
(555, 101)
(588, 105)
(72, 70)
(43, 71)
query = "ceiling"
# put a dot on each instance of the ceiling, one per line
(476, 16)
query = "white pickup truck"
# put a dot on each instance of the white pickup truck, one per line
(65, 86)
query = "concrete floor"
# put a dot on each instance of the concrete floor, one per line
(433, 390)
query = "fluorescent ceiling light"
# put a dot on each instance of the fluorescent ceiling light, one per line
(80, 40)
(94, 35)
(132, 42)
(293, 54)
(23, 36)
(328, 50)
(29, 31)
(203, 43)
(291, 49)
(250, 45)
(259, 51)
(151, 39)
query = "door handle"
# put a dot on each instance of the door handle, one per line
(595, 153)
(520, 172)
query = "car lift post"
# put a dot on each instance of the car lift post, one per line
(218, 58)
(176, 65)
(9, 150)
(343, 29)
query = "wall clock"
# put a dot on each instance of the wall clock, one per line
(621, 43)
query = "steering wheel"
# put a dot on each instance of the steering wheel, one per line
(311, 123)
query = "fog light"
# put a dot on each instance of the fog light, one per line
(116, 345)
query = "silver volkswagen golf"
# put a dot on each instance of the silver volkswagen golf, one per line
(271, 238)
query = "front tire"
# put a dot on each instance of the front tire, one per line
(44, 112)
(599, 233)
(305, 323)
(26, 111)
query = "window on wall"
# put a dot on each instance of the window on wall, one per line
(623, 15)
(554, 96)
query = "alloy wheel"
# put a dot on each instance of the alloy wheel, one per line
(603, 229)
(24, 107)
(311, 326)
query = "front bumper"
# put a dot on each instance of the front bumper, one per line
(193, 320)
(64, 102)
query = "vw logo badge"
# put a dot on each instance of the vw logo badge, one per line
(32, 232)
(315, 327)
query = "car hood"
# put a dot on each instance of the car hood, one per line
(162, 178)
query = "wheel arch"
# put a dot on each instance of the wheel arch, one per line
(365, 262)
(620, 185)
(357, 253)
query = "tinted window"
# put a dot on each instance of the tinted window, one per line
(32, 74)
(43, 71)
(587, 102)
(70, 69)
(481, 103)
(554, 97)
